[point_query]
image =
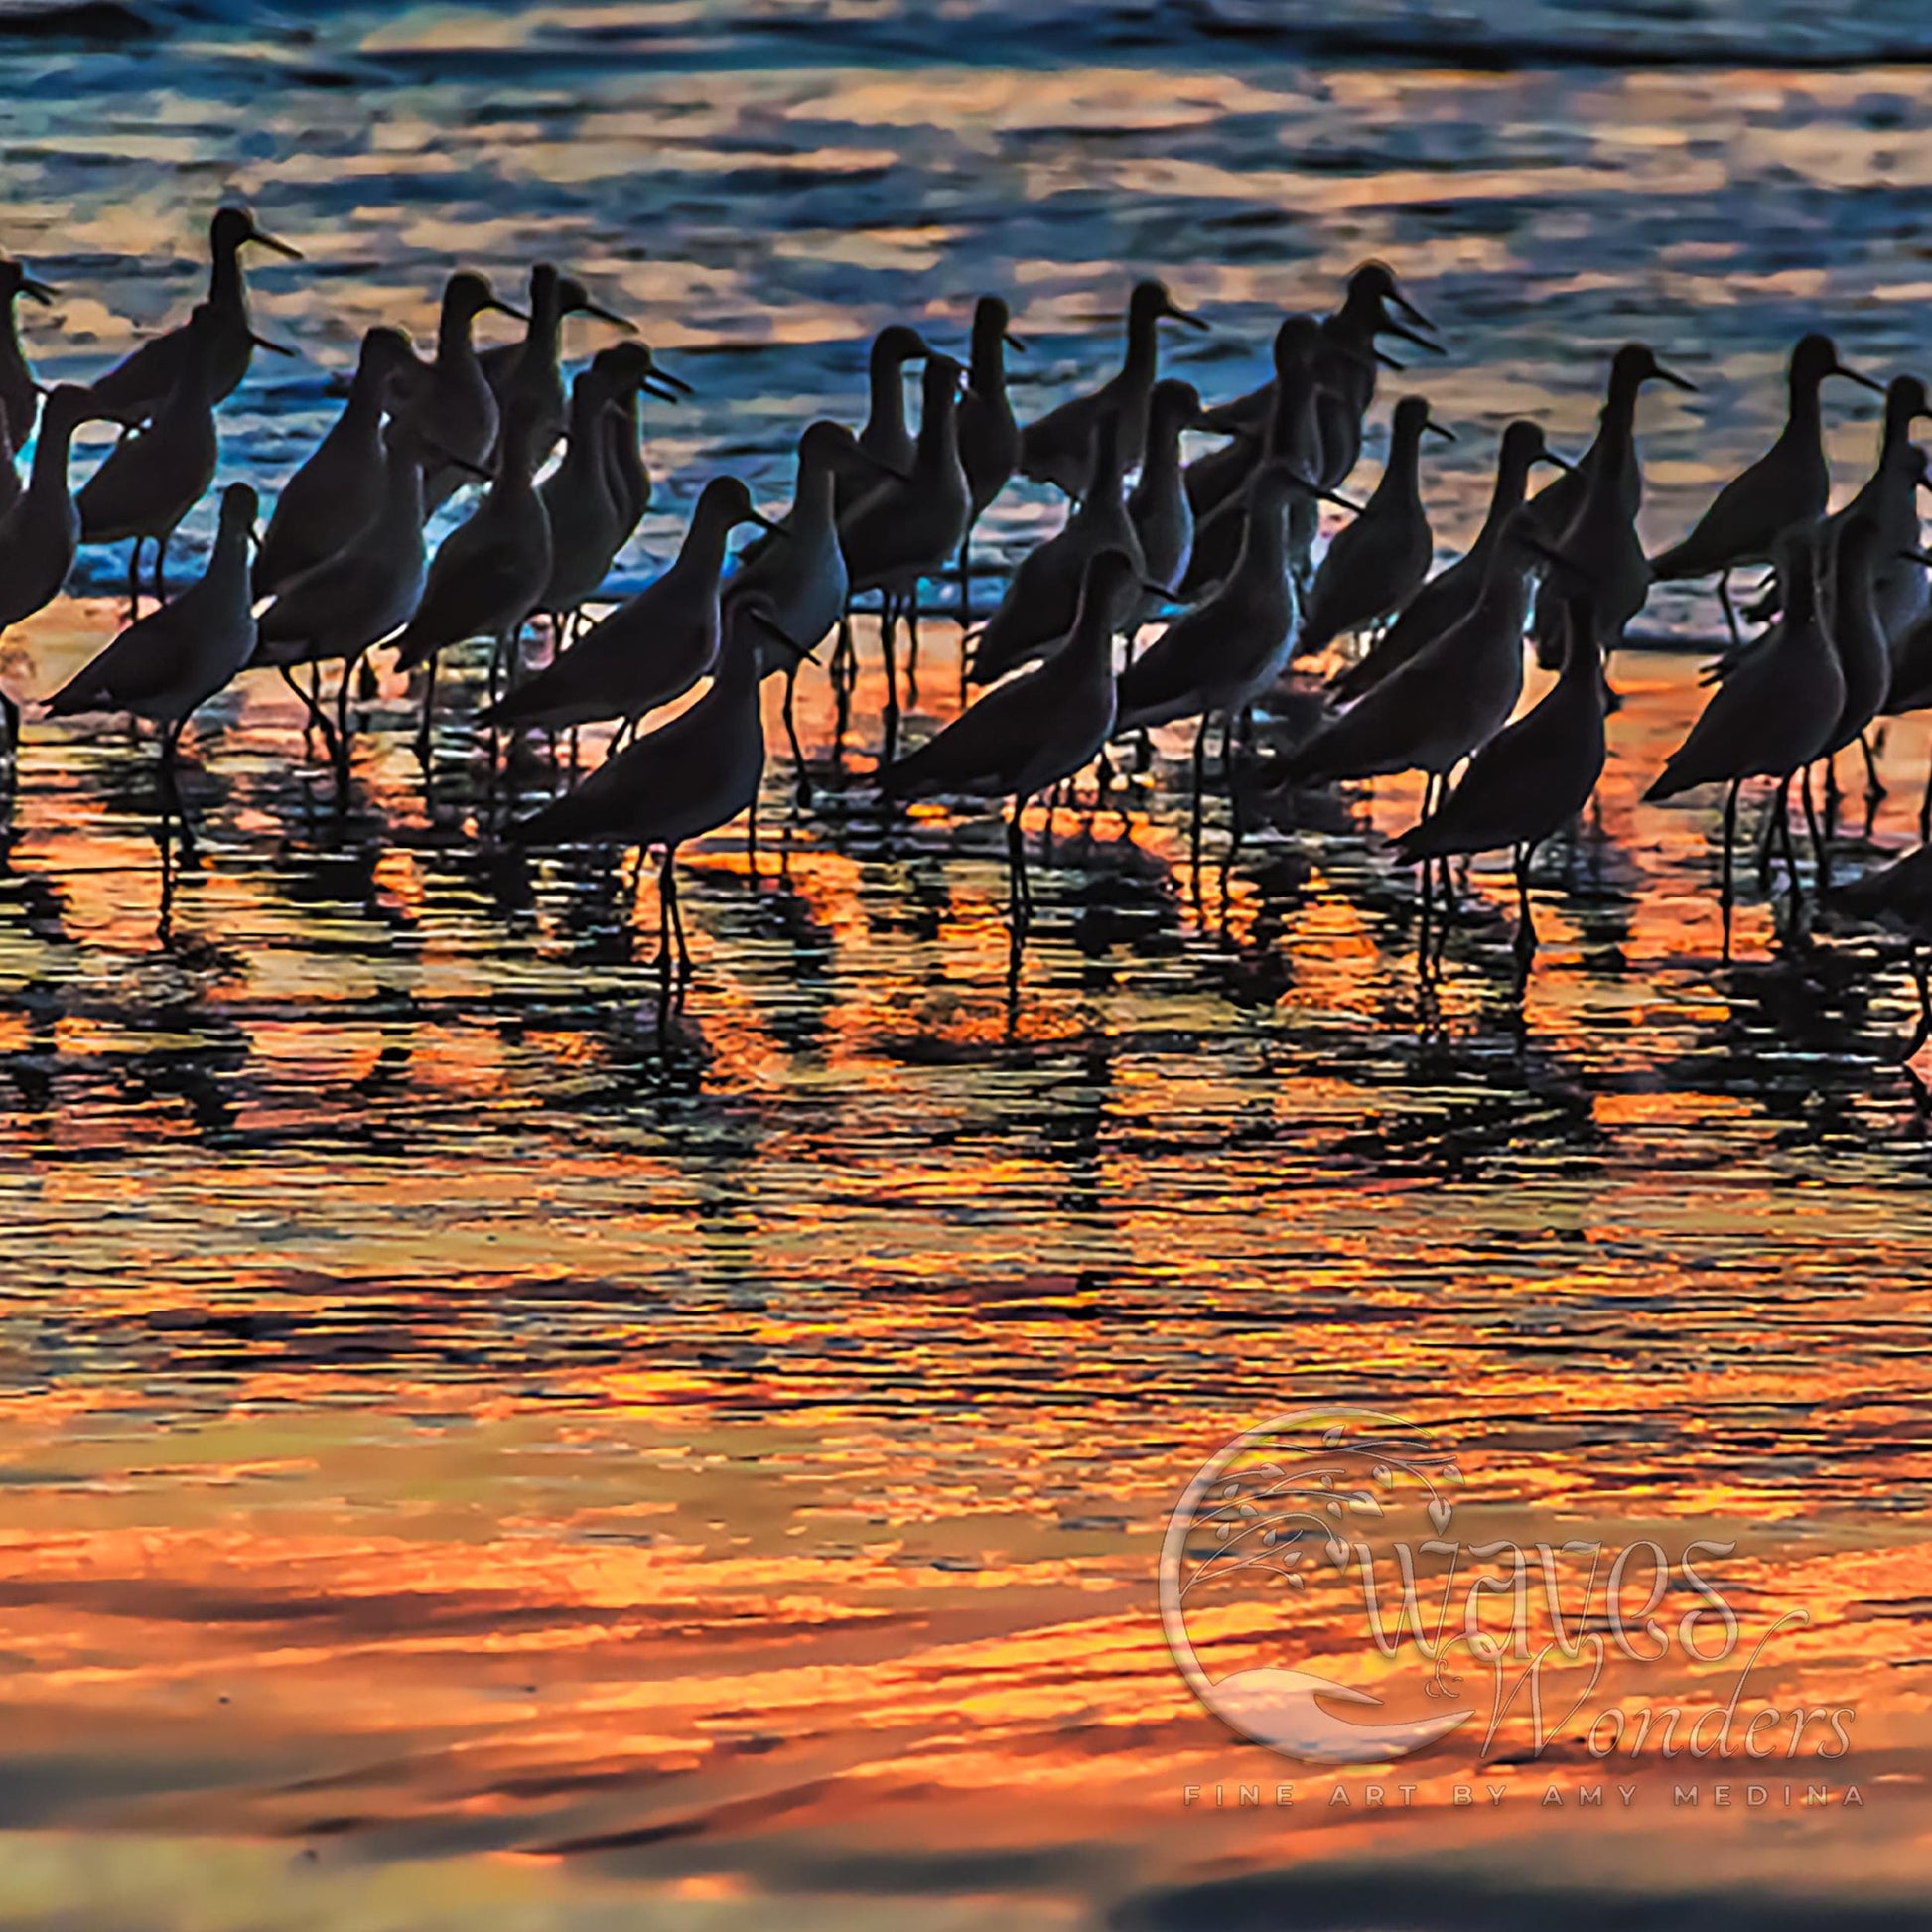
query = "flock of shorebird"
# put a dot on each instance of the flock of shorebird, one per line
(1218, 553)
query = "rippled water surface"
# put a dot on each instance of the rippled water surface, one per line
(477, 1458)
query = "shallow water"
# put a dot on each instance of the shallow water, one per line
(474, 1461)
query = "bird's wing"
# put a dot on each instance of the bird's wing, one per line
(975, 752)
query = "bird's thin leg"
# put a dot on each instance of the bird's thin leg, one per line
(677, 918)
(1200, 796)
(1731, 611)
(1768, 842)
(165, 785)
(1046, 836)
(752, 841)
(1018, 897)
(1727, 894)
(888, 612)
(1525, 918)
(1790, 852)
(342, 729)
(171, 783)
(1821, 850)
(573, 753)
(965, 597)
(1925, 807)
(315, 719)
(665, 889)
(429, 707)
(802, 787)
(1875, 786)
(912, 608)
(134, 581)
(161, 569)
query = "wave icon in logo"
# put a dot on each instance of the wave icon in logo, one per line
(1280, 1499)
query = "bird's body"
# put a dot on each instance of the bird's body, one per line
(593, 499)
(449, 406)
(134, 388)
(989, 437)
(1849, 614)
(1058, 448)
(1536, 774)
(1041, 600)
(1447, 597)
(40, 535)
(328, 498)
(1291, 434)
(489, 572)
(653, 647)
(353, 599)
(153, 477)
(1779, 704)
(803, 576)
(906, 528)
(1788, 485)
(687, 778)
(1377, 563)
(1600, 534)
(1047, 724)
(1164, 519)
(1447, 701)
(1889, 495)
(1226, 652)
(167, 664)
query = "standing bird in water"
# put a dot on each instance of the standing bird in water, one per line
(133, 389)
(1378, 562)
(153, 477)
(170, 662)
(40, 535)
(19, 392)
(989, 437)
(1044, 726)
(1775, 710)
(1058, 448)
(1600, 531)
(328, 499)
(1450, 593)
(449, 406)
(1788, 485)
(688, 778)
(653, 647)
(909, 528)
(489, 572)
(1043, 594)
(1532, 778)
(1164, 519)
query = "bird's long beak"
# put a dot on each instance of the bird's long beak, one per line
(1408, 309)
(606, 315)
(502, 307)
(1389, 326)
(664, 388)
(1177, 312)
(1336, 497)
(276, 244)
(1013, 342)
(1550, 456)
(1672, 378)
(37, 291)
(1389, 362)
(766, 523)
(274, 349)
(1860, 377)
(678, 382)
(1156, 590)
(455, 462)
(1447, 435)
(1914, 557)
(784, 636)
